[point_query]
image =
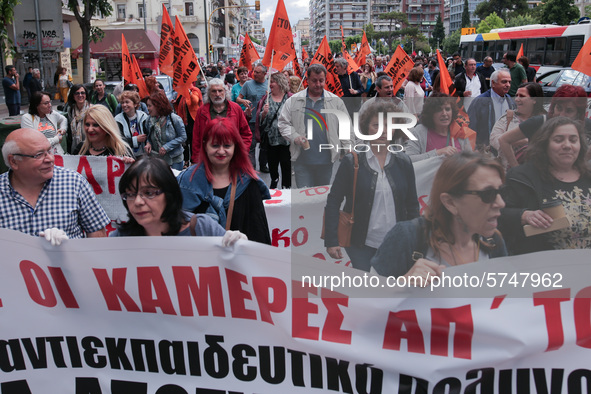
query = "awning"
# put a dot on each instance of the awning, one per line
(139, 42)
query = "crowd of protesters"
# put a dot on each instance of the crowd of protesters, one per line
(212, 134)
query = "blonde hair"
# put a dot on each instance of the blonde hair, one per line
(101, 115)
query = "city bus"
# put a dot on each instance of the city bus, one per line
(546, 46)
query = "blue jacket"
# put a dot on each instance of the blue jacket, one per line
(482, 116)
(196, 189)
(174, 136)
(401, 177)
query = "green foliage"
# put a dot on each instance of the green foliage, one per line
(438, 33)
(587, 11)
(304, 42)
(522, 20)
(466, 15)
(501, 8)
(561, 12)
(451, 43)
(493, 21)
(6, 19)
(335, 46)
(257, 41)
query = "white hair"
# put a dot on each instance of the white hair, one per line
(215, 81)
(9, 148)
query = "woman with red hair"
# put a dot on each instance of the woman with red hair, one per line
(224, 184)
(569, 101)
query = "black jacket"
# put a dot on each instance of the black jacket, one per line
(460, 84)
(401, 177)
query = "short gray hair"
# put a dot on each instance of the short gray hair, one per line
(215, 81)
(340, 61)
(316, 68)
(260, 65)
(495, 75)
(381, 79)
(9, 148)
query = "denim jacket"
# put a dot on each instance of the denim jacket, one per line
(173, 136)
(401, 177)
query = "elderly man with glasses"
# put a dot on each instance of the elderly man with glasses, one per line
(40, 199)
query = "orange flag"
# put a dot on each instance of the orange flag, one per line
(399, 67)
(138, 78)
(460, 129)
(296, 68)
(126, 62)
(304, 54)
(363, 51)
(520, 53)
(280, 40)
(583, 61)
(445, 82)
(324, 56)
(186, 66)
(249, 54)
(351, 65)
(166, 56)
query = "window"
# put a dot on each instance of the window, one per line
(189, 9)
(121, 11)
(140, 11)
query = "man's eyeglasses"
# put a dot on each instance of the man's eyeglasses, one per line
(80, 94)
(488, 196)
(146, 194)
(38, 156)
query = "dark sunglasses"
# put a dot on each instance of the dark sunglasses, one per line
(488, 196)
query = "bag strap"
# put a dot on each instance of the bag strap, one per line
(231, 207)
(422, 244)
(192, 225)
(356, 169)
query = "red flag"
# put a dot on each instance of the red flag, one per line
(296, 68)
(445, 82)
(324, 56)
(280, 42)
(304, 54)
(186, 66)
(249, 54)
(351, 65)
(460, 129)
(363, 51)
(343, 46)
(398, 68)
(166, 56)
(138, 78)
(126, 62)
(520, 53)
(582, 62)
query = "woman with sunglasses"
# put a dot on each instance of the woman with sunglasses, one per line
(555, 173)
(76, 109)
(459, 226)
(153, 200)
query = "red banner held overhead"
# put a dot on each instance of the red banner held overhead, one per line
(126, 62)
(138, 78)
(304, 54)
(445, 82)
(249, 54)
(186, 66)
(166, 57)
(360, 59)
(280, 40)
(324, 56)
(399, 67)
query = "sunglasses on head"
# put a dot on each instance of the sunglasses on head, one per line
(488, 196)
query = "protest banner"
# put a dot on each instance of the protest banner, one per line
(166, 55)
(399, 67)
(184, 315)
(324, 56)
(249, 54)
(361, 57)
(186, 65)
(280, 47)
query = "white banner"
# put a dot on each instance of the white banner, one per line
(183, 315)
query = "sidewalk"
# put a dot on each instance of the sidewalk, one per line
(25, 108)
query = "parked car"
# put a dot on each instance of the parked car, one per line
(166, 83)
(552, 80)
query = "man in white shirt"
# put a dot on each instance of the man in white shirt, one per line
(469, 84)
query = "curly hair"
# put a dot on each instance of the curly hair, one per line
(103, 116)
(132, 96)
(537, 150)
(433, 104)
(160, 103)
(453, 177)
(280, 79)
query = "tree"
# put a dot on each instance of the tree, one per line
(501, 7)
(438, 33)
(493, 21)
(83, 16)
(451, 43)
(335, 46)
(561, 12)
(522, 20)
(6, 18)
(395, 18)
(466, 15)
(587, 11)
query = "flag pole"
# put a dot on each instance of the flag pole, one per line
(269, 72)
(302, 82)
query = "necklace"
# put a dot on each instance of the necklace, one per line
(98, 149)
(461, 261)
